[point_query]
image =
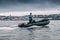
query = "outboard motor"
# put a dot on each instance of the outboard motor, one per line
(33, 21)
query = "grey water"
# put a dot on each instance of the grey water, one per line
(10, 31)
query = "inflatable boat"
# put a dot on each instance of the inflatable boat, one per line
(42, 22)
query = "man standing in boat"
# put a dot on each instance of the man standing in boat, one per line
(30, 18)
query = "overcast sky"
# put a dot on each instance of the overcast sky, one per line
(20, 7)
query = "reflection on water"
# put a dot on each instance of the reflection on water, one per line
(38, 33)
(49, 32)
(34, 33)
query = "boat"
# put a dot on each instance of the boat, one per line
(42, 22)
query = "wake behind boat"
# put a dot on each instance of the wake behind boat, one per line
(42, 22)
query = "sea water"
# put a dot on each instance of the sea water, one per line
(10, 31)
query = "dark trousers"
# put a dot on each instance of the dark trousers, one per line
(30, 21)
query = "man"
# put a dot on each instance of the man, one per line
(30, 18)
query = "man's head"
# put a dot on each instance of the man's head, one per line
(30, 13)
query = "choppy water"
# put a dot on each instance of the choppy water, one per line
(9, 31)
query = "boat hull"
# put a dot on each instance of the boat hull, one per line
(42, 23)
(37, 24)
